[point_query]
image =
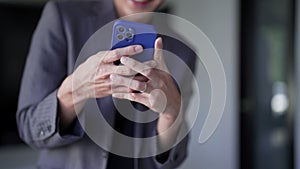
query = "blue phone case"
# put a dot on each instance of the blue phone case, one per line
(126, 33)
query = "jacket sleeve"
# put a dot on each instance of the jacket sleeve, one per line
(45, 69)
(174, 157)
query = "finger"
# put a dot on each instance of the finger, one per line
(137, 66)
(128, 82)
(123, 70)
(120, 89)
(101, 89)
(140, 78)
(105, 70)
(108, 90)
(106, 86)
(158, 54)
(116, 54)
(136, 97)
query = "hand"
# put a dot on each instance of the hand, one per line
(91, 80)
(159, 93)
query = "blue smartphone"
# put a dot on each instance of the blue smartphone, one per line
(127, 33)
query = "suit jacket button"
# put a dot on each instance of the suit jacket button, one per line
(42, 133)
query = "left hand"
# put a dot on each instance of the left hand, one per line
(159, 92)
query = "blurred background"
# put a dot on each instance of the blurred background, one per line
(259, 45)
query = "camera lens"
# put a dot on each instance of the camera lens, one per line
(129, 35)
(120, 29)
(120, 37)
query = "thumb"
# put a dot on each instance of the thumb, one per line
(158, 54)
(158, 46)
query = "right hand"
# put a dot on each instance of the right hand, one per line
(92, 80)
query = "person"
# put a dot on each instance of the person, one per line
(46, 115)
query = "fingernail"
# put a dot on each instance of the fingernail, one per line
(138, 48)
(124, 60)
(113, 77)
(160, 41)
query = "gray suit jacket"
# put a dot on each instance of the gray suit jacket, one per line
(63, 29)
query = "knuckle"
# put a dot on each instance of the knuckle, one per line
(116, 52)
(149, 72)
(101, 70)
(130, 49)
(132, 96)
(152, 63)
(107, 88)
(114, 70)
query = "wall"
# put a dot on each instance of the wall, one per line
(219, 20)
